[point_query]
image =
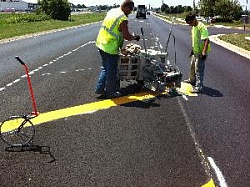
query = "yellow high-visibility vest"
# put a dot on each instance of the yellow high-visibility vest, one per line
(199, 34)
(110, 38)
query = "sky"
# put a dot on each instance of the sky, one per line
(152, 3)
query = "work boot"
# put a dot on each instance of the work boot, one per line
(197, 90)
(189, 82)
(115, 95)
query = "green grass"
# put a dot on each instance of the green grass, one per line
(12, 25)
(237, 39)
(9, 27)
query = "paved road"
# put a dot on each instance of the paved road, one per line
(139, 140)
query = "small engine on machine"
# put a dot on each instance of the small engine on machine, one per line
(150, 68)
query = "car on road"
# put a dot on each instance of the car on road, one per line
(141, 11)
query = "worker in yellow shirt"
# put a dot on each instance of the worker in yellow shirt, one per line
(199, 52)
(109, 41)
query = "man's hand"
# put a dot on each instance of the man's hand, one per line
(137, 38)
(203, 57)
(191, 54)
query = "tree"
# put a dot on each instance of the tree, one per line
(226, 9)
(187, 8)
(207, 7)
(164, 8)
(231, 9)
(57, 9)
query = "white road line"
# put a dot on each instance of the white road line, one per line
(51, 62)
(79, 70)
(197, 145)
(1, 89)
(185, 97)
(17, 80)
(10, 84)
(218, 173)
(45, 74)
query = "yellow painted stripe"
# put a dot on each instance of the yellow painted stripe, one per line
(186, 89)
(11, 124)
(209, 184)
(92, 107)
(81, 109)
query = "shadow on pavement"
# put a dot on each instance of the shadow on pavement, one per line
(211, 92)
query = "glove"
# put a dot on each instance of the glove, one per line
(203, 57)
(137, 38)
(191, 54)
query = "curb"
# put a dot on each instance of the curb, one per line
(229, 46)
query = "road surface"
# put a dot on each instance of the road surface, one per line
(136, 140)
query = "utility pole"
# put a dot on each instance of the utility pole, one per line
(245, 16)
(194, 9)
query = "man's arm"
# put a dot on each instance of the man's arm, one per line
(206, 42)
(125, 33)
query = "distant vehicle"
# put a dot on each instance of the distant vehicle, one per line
(141, 11)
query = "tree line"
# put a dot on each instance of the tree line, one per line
(225, 10)
(61, 9)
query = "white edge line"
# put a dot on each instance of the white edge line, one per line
(218, 173)
(51, 62)
(199, 150)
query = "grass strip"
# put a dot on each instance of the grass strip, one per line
(9, 30)
(237, 40)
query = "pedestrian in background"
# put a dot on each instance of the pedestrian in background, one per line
(109, 41)
(199, 52)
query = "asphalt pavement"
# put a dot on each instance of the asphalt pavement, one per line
(133, 141)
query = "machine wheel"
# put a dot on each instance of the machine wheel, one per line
(140, 83)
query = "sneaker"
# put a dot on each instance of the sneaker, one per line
(197, 90)
(115, 95)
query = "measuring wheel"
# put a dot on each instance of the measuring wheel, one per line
(17, 130)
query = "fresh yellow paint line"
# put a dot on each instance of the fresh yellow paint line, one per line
(92, 107)
(78, 110)
(11, 124)
(186, 89)
(209, 184)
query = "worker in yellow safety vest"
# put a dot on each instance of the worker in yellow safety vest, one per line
(199, 52)
(113, 31)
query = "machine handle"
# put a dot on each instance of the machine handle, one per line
(19, 60)
(144, 43)
(142, 31)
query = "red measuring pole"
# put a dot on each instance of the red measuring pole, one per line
(34, 112)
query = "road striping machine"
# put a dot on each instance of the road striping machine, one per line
(150, 68)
